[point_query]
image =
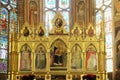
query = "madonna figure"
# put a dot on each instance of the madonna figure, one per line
(58, 22)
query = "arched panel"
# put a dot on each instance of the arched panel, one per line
(91, 58)
(40, 57)
(81, 12)
(76, 57)
(58, 54)
(25, 58)
(33, 13)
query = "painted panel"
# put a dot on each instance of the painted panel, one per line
(81, 12)
(91, 59)
(58, 54)
(33, 13)
(76, 61)
(25, 58)
(40, 57)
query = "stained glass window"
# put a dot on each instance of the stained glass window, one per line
(7, 17)
(108, 40)
(50, 4)
(104, 17)
(64, 4)
(3, 39)
(4, 1)
(98, 3)
(66, 17)
(13, 20)
(3, 66)
(98, 23)
(48, 20)
(109, 53)
(53, 6)
(13, 3)
(109, 62)
(4, 13)
(4, 19)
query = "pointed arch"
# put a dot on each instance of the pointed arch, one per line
(76, 57)
(25, 58)
(32, 10)
(57, 41)
(40, 57)
(91, 47)
(91, 58)
(25, 46)
(58, 54)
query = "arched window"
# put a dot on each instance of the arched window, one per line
(53, 6)
(8, 22)
(104, 18)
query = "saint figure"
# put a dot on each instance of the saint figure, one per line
(76, 58)
(41, 32)
(58, 22)
(58, 59)
(40, 59)
(26, 32)
(91, 62)
(25, 59)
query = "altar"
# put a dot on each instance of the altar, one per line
(59, 54)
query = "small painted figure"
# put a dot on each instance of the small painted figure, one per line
(58, 23)
(41, 32)
(58, 59)
(26, 32)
